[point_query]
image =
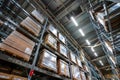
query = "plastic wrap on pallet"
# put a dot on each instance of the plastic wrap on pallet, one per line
(31, 26)
(38, 16)
(63, 50)
(83, 75)
(52, 29)
(18, 45)
(63, 68)
(76, 72)
(48, 60)
(4, 76)
(79, 62)
(72, 57)
(62, 38)
(51, 41)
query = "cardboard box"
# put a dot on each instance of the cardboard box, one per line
(18, 45)
(48, 60)
(38, 16)
(83, 75)
(16, 72)
(62, 38)
(72, 57)
(4, 76)
(52, 29)
(76, 73)
(18, 78)
(31, 26)
(63, 68)
(79, 62)
(51, 41)
(1, 23)
(62, 49)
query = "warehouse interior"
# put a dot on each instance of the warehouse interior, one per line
(59, 39)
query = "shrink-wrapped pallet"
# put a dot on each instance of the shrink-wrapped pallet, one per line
(51, 41)
(72, 57)
(18, 45)
(76, 73)
(48, 60)
(62, 49)
(63, 68)
(31, 26)
(79, 62)
(38, 16)
(4, 76)
(62, 38)
(52, 29)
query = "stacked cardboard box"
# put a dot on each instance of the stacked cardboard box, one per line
(18, 45)
(51, 41)
(63, 68)
(31, 26)
(76, 73)
(48, 60)
(79, 62)
(72, 57)
(38, 16)
(62, 49)
(62, 38)
(52, 29)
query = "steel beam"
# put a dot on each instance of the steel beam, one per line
(99, 58)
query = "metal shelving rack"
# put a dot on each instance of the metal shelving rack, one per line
(32, 66)
(103, 35)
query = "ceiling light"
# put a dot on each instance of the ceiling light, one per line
(95, 54)
(80, 30)
(101, 62)
(74, 21)
(112, 60)
(92, 49)
(87, 42)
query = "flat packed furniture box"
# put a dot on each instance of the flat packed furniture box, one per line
(63, 68)
(62, 38)
(62, 50)
(51, 41)
(18, 45)
(76, 73)
(72, 57)
(48, 60)
(38, 16)
(4, 76)
(79, 62)
(18, 78)
(52, 29)
(31, 26)
(83, 75)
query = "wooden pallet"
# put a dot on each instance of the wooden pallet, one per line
(40, 62)
(49, 43)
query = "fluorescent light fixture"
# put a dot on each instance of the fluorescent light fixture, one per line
(112, 60)
(95, 54)
(101, 62)
(92, 49)
(109, 47)
(80, 30)
(74, 21)
(87, 42)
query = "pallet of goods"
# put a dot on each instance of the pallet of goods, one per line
(83, 77)
(76, 73)
(51, 41)
(18, 78)
(72, 57)
(62, 38)
(31, 26)
(114, 17)
(63, 68)
(4, 76)
(52, 29)
(38, 16)
(18, 45)
(48, 61)
(79, 62)
(62, 50)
